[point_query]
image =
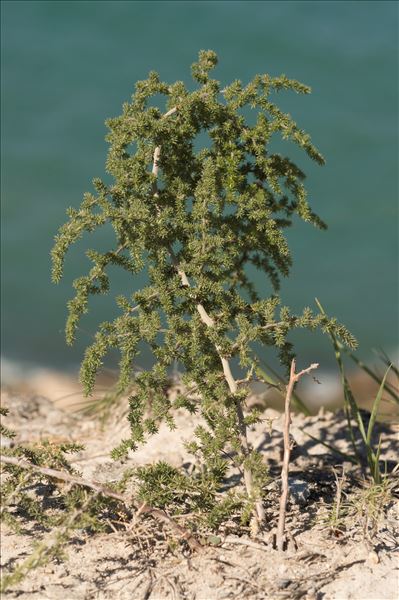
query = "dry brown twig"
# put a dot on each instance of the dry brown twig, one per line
(340, 482)
(128, 501)
(244, 542)
(294, 378)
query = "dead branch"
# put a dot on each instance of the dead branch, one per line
(244, 542)
(128, 501)
(294, 378)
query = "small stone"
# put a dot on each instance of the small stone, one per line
(373, 558)
(282, 569)
(299, 490)
(214, 540)
(224, 593)
(283, 583)
(5, 442)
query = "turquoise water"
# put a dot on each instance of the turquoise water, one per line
(66, 66)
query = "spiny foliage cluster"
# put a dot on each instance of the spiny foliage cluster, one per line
(54, 506)
(197, 197)
(58, 508)
(19, 485)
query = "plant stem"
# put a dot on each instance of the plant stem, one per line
(294, 377)
(144, 508)
(231, 382)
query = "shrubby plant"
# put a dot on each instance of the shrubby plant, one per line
(194, 219)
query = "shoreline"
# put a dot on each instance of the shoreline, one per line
(64, 389)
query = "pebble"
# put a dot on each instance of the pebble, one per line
(299, 490)
(373, 558)
(283, 583)
(5, 442)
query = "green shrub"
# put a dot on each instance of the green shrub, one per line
(194, 220)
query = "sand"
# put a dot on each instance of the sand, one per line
(357, 561)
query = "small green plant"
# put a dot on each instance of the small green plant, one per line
(360, 504)
(26, 470)
(353, 413)
(194, 219)
(40, 486)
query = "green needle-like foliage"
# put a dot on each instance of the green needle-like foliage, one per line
(195, 219)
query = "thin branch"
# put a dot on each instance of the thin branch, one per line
(157, 153)
(232, 384)
(115, 253)
(338, 496)
(62, 475)
(244, 542)
(248, 378)
(142, 508)
(294, 377)
(136, 308)
(263, 328)
(170, 112)
(306, 371)
(233, 387)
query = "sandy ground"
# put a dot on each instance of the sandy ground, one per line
(321, 562)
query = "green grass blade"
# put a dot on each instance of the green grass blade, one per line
(356, 412)
(266, 377)
(296, 400)
(376, 463)
(376, 405)
(351, 408)
(371, 373)
(388, 362)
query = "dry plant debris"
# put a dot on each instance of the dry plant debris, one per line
(345, 531)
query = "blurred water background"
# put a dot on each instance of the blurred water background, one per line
(67, 66)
